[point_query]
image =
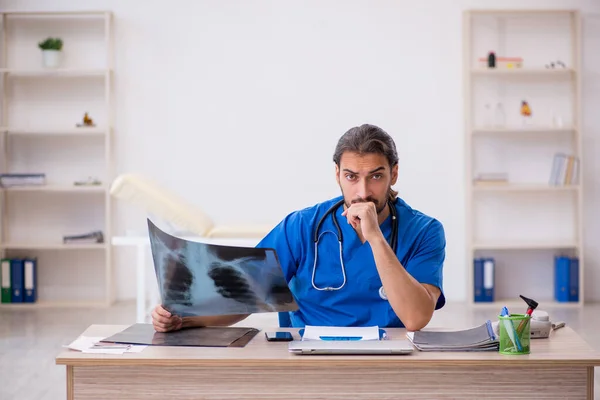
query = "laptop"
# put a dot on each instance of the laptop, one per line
(333, 347)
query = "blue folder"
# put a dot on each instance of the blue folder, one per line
(30, 280)
(562, 266)
(18, 281)
(574, 279)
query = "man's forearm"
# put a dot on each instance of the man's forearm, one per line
(410, 299)
(216, 320)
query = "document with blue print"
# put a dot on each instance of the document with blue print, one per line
(341, 333)
(196, 278)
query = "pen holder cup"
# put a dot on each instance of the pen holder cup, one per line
(515, 334)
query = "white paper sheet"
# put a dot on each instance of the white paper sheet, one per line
(340, 333)
(89, 344)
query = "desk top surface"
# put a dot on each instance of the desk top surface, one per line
(563, 347)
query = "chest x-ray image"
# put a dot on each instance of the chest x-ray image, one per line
(197, 278)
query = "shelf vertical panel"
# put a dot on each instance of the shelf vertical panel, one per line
(3, 135)
(467, 95)
(108, 42)
(578, 140)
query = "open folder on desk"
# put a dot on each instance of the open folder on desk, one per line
(479, 338)
(197, 337)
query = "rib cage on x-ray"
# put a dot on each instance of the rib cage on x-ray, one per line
(204, 279)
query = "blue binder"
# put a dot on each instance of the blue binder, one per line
(478, 280)
(30, 280)
(17, 277)
(562, 267)
(484, 279)
(574, 279)
(489, 279)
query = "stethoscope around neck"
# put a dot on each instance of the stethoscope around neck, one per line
(332, 210)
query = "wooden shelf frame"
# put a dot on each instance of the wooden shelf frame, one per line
(104, 133)
(471, 75)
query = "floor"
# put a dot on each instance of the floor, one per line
(30, 339)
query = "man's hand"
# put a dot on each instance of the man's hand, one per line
(163, 321)
(363, 218)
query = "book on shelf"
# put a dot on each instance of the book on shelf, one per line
(90, 237)
(565, 170)
(491, 178)
(13, 179)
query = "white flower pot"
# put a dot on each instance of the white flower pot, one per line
(51, 58)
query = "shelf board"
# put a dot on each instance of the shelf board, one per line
(57, 188)
(521, 187)
(62, 72)
(518, 305)
(523, 130)
(524, 245)
(522, 71)
(57, 304)
(53, 246)
(40, 13)
(75, 131)
(519, 11)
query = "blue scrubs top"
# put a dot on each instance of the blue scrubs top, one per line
(421, 250)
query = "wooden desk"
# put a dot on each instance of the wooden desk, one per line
(557, 368)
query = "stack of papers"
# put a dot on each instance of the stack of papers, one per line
(89, 344)
(480, 338)
(340, 333)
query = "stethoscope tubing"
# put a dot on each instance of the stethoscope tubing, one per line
(393, 242)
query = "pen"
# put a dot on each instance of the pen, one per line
(510, 329)
(340, 337)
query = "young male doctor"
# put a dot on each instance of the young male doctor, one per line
(364, 258)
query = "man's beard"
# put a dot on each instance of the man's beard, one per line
(378, 205)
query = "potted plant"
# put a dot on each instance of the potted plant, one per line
(51, 52)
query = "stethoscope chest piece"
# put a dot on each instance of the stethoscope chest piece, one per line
(382, 293)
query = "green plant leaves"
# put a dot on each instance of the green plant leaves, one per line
(51, 44)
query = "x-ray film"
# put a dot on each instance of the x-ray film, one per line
(197, 278)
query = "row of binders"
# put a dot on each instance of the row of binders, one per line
(18, 280)
(565, 170)
(566, 279)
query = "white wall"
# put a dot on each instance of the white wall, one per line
(237, 105)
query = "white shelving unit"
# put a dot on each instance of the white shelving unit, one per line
(41, 108)
(525, 222)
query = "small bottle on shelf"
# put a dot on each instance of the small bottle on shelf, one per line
(557, 120)
(491, 60)
(488, 115)
(499, 116)
(525, 112)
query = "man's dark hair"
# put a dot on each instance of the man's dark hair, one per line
(366, 139)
